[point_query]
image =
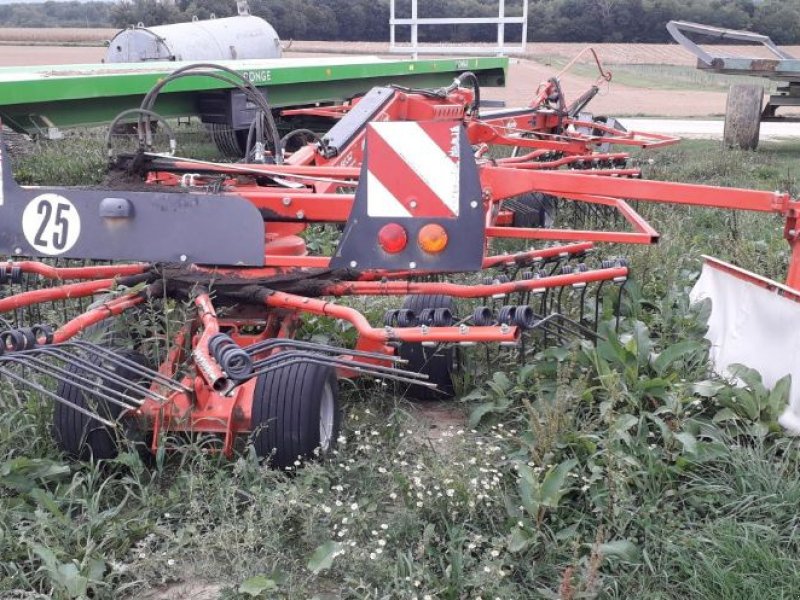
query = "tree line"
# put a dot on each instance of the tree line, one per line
(368, 20)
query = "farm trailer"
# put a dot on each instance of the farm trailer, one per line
(745, 109)
(39, 100)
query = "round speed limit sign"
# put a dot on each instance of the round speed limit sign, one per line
(51, 224)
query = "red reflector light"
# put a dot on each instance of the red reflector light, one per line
(393, 238)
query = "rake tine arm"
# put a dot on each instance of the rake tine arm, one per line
(113, 357)
(626, 138)
(42, 390)
(108, 309)
(362, 368)
(507, 183)
(323, 262)
(90, 272)
(289, 343)
(342, 362)
(64, 292)
(106, 374)
(67, 377)
(383, 335)
(402, 288)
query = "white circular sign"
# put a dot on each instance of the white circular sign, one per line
(51, 224)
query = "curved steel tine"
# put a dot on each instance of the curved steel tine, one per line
(577, 328)
(286, 343)
(356, 368)
(47, 369)
(42, 390)
(133, 366)
(284, 356)
(89, 367)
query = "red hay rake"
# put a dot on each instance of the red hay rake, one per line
(424, 185)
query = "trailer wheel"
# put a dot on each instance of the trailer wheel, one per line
(228, 141)
(81, 436)
(295, 414)
(440, 364)
(743, 116)
(532, 210)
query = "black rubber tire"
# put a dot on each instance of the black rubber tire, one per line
(229, 142)
(532, 210)
(82, 437)
(743, 116)
(287, 413)
(440, 364)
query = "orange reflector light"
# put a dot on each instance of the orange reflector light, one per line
(432, 238)
(393, 238)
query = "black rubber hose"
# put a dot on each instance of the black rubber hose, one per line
(476, 87)
(242, 83)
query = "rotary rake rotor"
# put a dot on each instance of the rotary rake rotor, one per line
(422, 185)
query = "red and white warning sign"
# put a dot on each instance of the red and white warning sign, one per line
(413, 169)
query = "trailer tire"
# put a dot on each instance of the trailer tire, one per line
(228, 141)
(743, 116)
(295, 413)
(84, 438)
(440, 364)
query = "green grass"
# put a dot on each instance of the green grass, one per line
(661, 77)
(592, 473)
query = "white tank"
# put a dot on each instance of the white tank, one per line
(232, 38)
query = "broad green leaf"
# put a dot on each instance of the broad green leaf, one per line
(47, 556)
(725, 414)
(554, 483)
(688, 440)
(779, 396)
(71, 578)
(673, 353)
(255, 586)
(479, 412)
(519, 540)
(644, 344)
(559, 353)
(323, 556)
(46, 501)
(750, 377)
(526, 372)
(621, 549)
(97, 569)
(708, 388)
(528, 496)
(747, 402)
(625, 422)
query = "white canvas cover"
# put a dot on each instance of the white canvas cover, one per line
(755, 322)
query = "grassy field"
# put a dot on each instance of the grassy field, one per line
(662, 76)
(622, 470)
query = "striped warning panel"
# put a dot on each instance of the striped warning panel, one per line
(413, 170)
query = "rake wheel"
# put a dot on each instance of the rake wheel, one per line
(439, 364)
(295, 414)
(743, 116)
(81, 436)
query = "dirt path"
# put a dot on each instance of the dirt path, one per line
(524, 77)
(12, 56)
(614, 99)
